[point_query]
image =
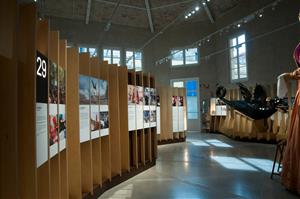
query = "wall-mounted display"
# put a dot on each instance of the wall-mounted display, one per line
(53, 108)
(175, 114)
(139, 107)
(41, 109)
(217, 107)
(158, 115)
(62, 108)
(95, 109)
(104, 113)
(131, 90)
(84, 108)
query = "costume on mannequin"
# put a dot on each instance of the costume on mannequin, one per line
(291, 161)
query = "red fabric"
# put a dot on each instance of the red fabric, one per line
(291, 160)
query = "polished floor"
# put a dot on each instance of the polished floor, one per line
(207, 166)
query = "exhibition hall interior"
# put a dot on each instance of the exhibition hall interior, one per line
(150, 99)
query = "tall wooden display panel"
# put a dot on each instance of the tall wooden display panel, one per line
(8, 76)
(96, 140)
(72, 112)
(123, 108)
(114, 121)
(133, 137)
(105, 140)
(85, 145)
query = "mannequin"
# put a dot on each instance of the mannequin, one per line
(291, 161)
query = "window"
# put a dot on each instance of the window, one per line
(184, 57)
(134, 60)
(238, 61)
(112, 56)
(93, 51)
(192, 96)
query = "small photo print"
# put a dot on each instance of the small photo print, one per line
(174, 101)
(153, 116)
(62, 126)
(84, 89)
(140, 95)
(95, 121)
(53, 90)
(103, 92)
(62, 85)
(132, 94)
(146, 116)
(152, 96)
(147, 96)
(53, 125)
(104, 120)
(157, 100)
(180, 100)
(94, 86)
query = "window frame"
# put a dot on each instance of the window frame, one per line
(111, 54)
(87, 48)
(184, 57)
(237, 46)
(134, 52)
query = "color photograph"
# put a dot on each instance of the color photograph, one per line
(140, 95)
(104, 120)
(103, 92)
(152, 116)
(94, 90)
(132, 94)
(174, 101)
(146, 116)
(147, 96)
(84, 89)
(62, 126)
(53, 127)
(53, 90)
(180, 100)
(95, 121)
(62, 85)
(152, 96)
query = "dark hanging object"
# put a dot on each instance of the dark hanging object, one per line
(254, 106)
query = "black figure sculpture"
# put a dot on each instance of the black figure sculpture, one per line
(255, 106)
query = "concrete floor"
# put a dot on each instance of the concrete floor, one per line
(206, 166)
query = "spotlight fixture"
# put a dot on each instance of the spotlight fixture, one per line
(239, 25)
(193, 12)
(186, 16)
(204, 3)
(189, 14)
(197, 8)
(260, 15)
(208, 0)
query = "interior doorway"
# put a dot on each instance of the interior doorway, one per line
(192, 98)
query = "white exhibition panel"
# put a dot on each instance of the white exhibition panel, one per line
(158, 120)
(131, 117)
(84, 115)
(175, 119)
(139, 117)
(41, 133)
(180, 119)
